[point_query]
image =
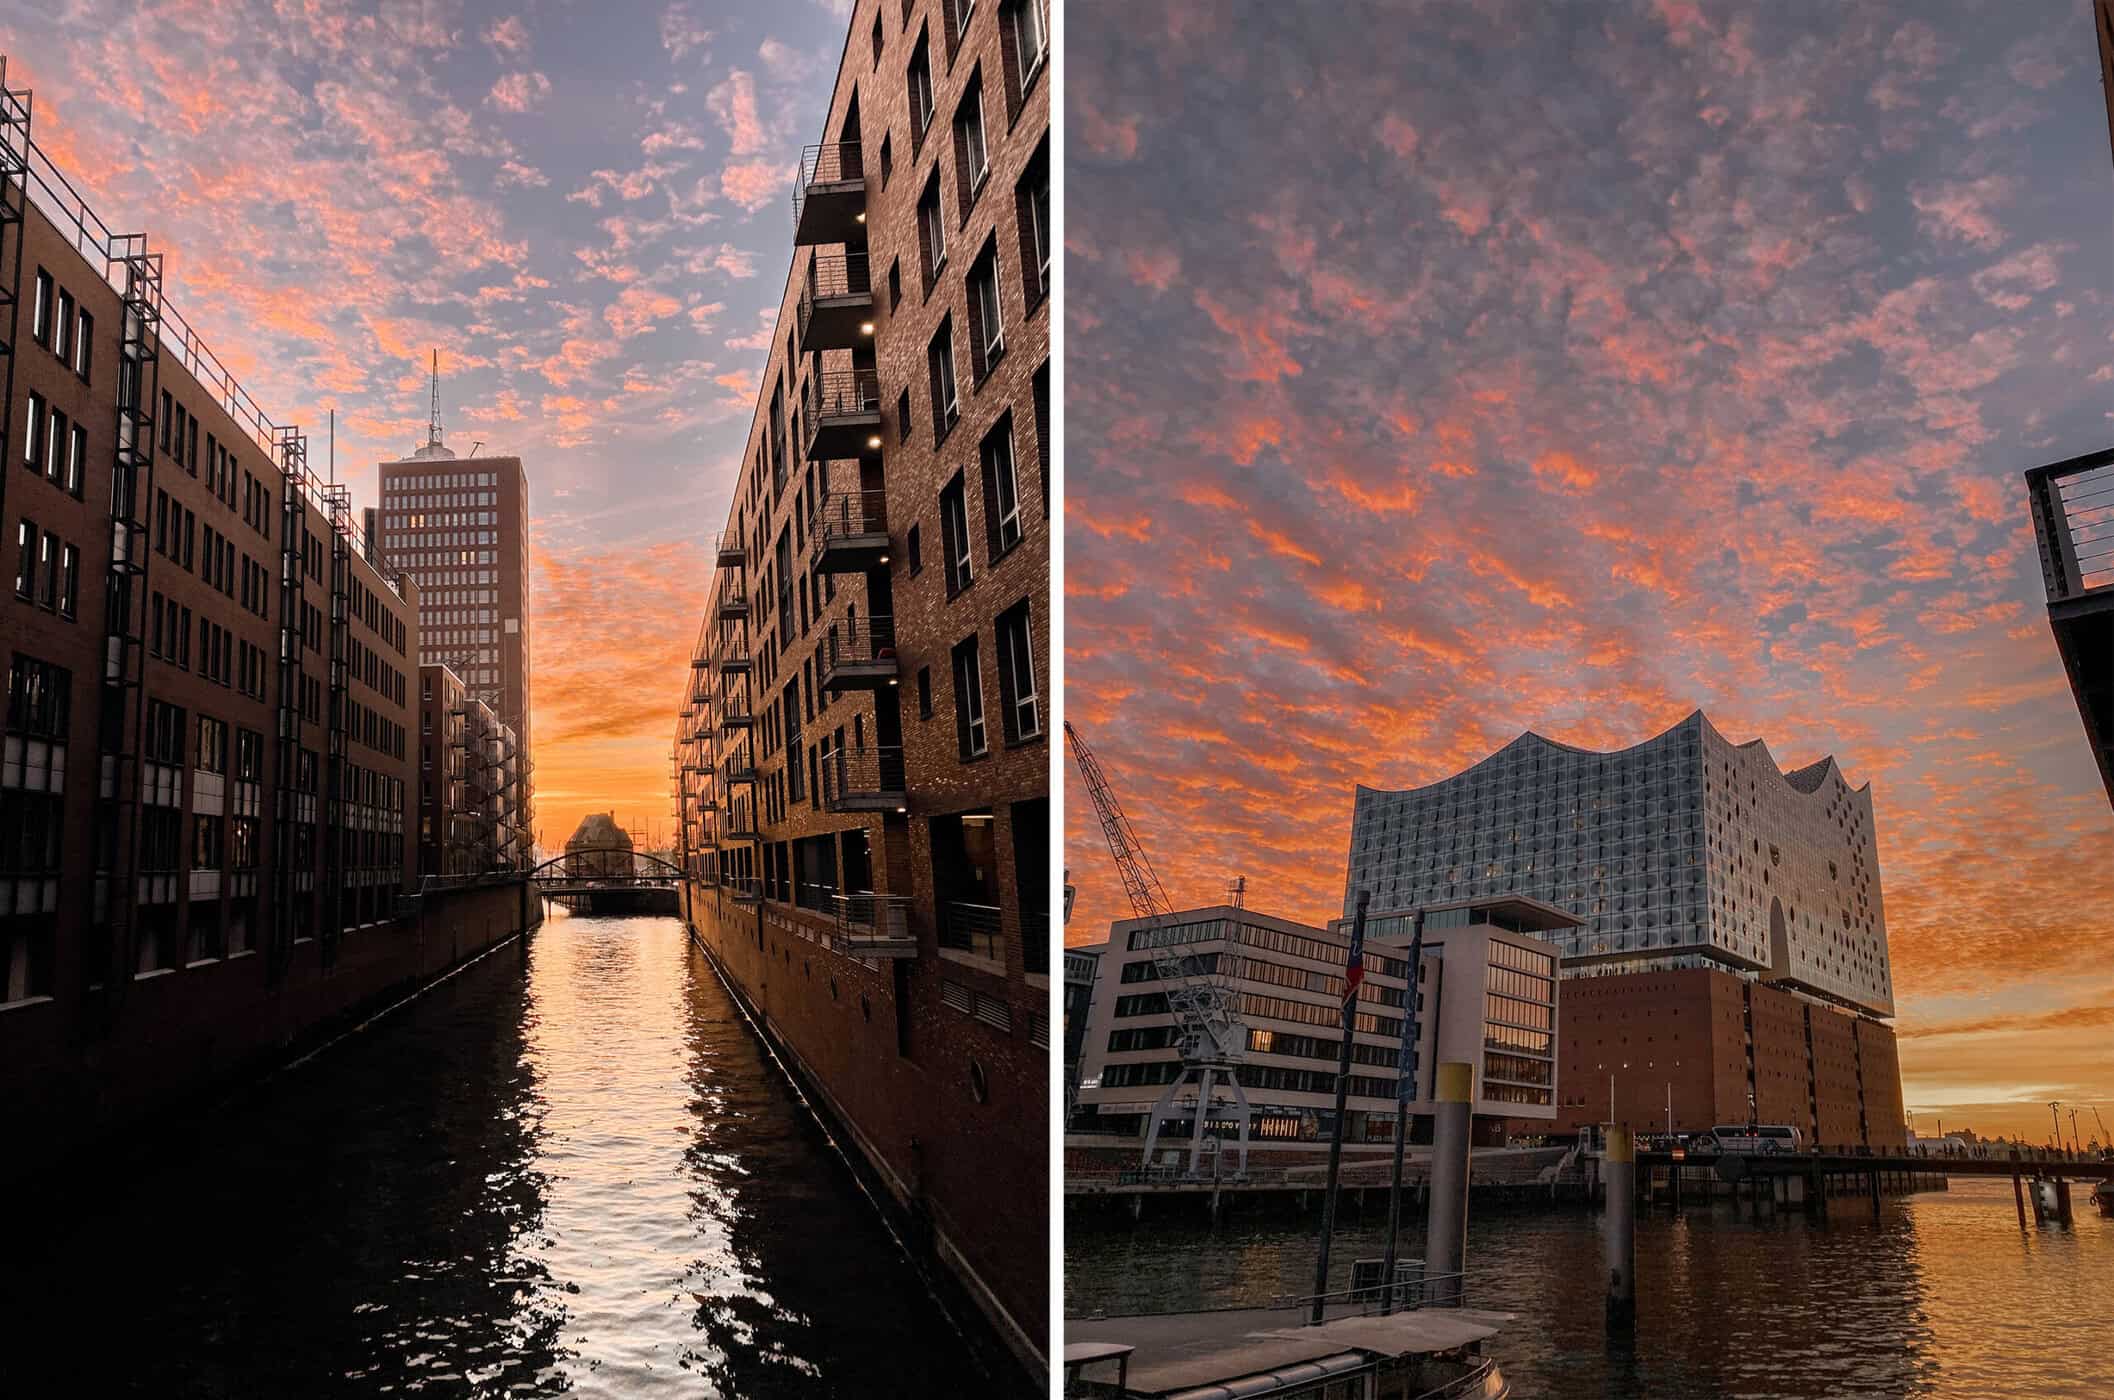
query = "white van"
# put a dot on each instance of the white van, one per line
(1757, 1139)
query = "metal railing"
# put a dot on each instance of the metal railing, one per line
(739, 766)
(2073, 522)
(842, 514)
(826, 163)
(731, 595)
(972, 928)
(835, 275)
(860, 641)
(746, 889)
(840, 393)
(874, 918)
(729, 546)
(869, 771)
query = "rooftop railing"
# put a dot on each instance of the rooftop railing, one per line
(2073, 522)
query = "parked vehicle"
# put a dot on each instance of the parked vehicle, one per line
(1756, 1139)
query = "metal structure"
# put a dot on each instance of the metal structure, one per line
(14, 214)
(1209, 1033)
(2073, 524)
(553, 878)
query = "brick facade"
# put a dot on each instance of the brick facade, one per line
(863, 752)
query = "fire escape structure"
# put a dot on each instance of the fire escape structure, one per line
(294, 820)
(123, 720)
(1209, 1034)
(337, 826)
(14, 211)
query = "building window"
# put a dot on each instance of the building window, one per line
(888, 154)
(1031, 210)
(26, 560)
(62, 329)
(877, 40)
(903, 416)
(972, 159)
(954, 535)
(932, 231)
(69, 580)
(48, 569)
(924, 692)
(33, 441)
(84, 346)
(76, 460)
(917, 553)
(1027, 31)
(1001, 490)
(212, 745)
(987, 330)
(920, 78)
(1042, 432)
(40, 315)
(946, 399)
(165, 733)
(969, 701)
(1016, 674)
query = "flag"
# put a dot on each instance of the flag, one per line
(1354, 970)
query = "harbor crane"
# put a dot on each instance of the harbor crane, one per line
(1209, 1033)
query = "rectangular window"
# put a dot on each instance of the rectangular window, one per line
(1016, 674)
(1001, 490)
(69, 580)
(1028, 27)
(932, 231)
(26, 560)
(62, 328)
(212, 745)
(1042, 431)
(972, 158)
(969, 701)
(954, 535)
(76, 460)
(946, 399)
(924, 692)
(33, 440)
(920, 78)
(987, 330)
(40, 315)
(165, 733)
(84, 346)
(917, 553)
(48, 569)
(55, 438)
(1031, 211)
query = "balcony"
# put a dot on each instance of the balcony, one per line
(859, 655)
(829, 203)
(851, 531)
(737, 823)
(734, 659)
(738, 766)
(728, 552)
(875, 925)
(836, 303)
(734, 715)
(972, 928)
(841, 414)
(868, 778)
(732, 604)
(2073, 523)
(746, 889)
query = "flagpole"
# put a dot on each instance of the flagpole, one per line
(1405, 1090)
(1353, 973)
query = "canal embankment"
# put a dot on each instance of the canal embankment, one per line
(94, 1064)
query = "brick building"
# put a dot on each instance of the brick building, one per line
(458, 528)
(469, 815)
(862, 754)
(210, 713)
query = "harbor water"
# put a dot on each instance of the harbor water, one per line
(1941, 1296)
(570, 1169)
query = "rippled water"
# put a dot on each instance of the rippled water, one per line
(582, 1177)
(1942, 1295)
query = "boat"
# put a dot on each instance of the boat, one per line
(1254, 1353)
(2103, 1196)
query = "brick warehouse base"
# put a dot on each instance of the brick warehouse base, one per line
(888, 1065)
(185, 1034)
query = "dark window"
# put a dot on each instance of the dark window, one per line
(917, 553)
(1024, 29)
(972, 154)
(33, 441)
(1002, 520)
(1042, 432)
(84, 347)
(954, 536)
(946, 396)
(888, 154)
(987, 322)
(903, 416)
(877, 40)
(40, 315)
(26, 560)
(1016, 674)
(1031, 214)
(920, 81)
(969, 700)
(924, 692)
(932, 231)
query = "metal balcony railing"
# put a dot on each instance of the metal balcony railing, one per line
(739, 766)
(2073, 522)
(972, 928)
(841, 413)
(737, 823)
(728, 550)
(836, 303)
(876, 925)
(746, 889)
(850, 531)
(733, 657)
(732, 602)
(829, 201)
(859, 653)
(864, 778)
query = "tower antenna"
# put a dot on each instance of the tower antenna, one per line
(433, 426)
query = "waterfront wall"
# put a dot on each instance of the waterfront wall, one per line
(76, 1070)
(948, 1109)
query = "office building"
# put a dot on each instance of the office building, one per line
(469, 819)
(1684, 856)
(458, 528)
(1082, 967)
(863, 739)
(1488, 997)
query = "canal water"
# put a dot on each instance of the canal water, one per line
(582, 1176)
(1941, 1296)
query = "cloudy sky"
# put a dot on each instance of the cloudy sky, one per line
(1439, 376)
(586, 207)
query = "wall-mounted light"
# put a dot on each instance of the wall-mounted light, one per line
(865, 328)
(874, 441)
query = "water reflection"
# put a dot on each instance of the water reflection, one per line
(1941, 1296)
(583, 1180)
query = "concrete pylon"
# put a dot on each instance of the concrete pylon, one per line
(1446, 1218)
(1620, 1163)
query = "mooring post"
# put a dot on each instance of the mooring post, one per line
(1874, 1176)
(1446, 1222)
(1621, 1165)
(2062, 1200)
(2018, 1188)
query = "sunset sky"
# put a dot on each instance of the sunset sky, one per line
(1432, 381)
(587, 208)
